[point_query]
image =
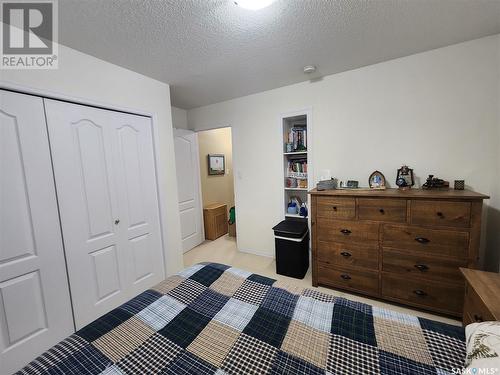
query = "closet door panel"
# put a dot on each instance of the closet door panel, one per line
(138, 199)
(35, 309)
(82, 151)
(106, 182)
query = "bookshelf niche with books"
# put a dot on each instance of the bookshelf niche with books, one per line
(296, 167)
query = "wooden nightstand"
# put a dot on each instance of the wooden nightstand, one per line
(482, 296)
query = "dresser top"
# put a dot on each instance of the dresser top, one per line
(213, 206)
(397, 193)
(487, 286)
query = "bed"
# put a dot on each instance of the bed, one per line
(215, 319)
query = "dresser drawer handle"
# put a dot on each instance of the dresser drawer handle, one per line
(422, 240)
(440, 214)
(478, 318)
(381, 211)
(420, 293)
(345, 232)
(345, 277)
(421, 267)
(345, 254)
(335, 208)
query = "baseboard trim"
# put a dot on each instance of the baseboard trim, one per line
(259, 253)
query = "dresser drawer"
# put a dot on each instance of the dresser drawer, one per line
(389, 210)
(347, 231)
(422, 266)
(423, 293)
(356, 280)
(336, 208)
(348, 255)
(441, 213)
(474, 308)
(426, 241)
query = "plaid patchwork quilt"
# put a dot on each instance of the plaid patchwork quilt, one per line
(215, 319)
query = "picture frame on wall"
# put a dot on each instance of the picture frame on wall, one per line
(216, 164)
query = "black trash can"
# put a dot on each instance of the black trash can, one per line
(291, 239)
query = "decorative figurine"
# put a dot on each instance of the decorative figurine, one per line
(405, 179)
(376, 181)
(435, 183)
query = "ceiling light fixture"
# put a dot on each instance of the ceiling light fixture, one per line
(253, 4)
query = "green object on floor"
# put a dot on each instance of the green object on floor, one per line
(232, 215)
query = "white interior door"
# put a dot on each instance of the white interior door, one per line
(188, 186)
(35, 307)
(106, 184)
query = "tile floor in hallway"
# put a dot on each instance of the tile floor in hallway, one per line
(224, 250)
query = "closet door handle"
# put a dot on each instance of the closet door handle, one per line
(117, 221)
(345, 254)
(421, 267)
(422, 240)
(345, 277)
(345, 232)
(420, 293)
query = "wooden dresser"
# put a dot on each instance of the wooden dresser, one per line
(402, 246)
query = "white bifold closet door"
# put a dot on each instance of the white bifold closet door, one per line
(35, 308)
(106, 184)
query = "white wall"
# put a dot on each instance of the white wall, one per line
(436, 111)
(179, 118)
(493, 254)
(86, 77)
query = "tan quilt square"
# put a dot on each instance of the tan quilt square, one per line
(168, 284)
(306, 343)
(227, 284)
(404, 340)
(294, 289)
(214, 343)
(123, 339)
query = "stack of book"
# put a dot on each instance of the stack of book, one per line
(297, 168)
(297, 137)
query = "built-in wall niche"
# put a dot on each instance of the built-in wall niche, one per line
(296, 149)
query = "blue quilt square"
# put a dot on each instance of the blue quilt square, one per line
(184, 328)
(140, 302)
(358, 306)
(261, 279)
(443, 328)
(354, 324)
(392, 364)
(189, 364)
(207, 275)
(218, 266)
(285, 364)
(280, 301)
(268, 326)
(209, 303)
(104, 324)
(88, 360)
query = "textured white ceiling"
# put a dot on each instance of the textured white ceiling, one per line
(212, 50)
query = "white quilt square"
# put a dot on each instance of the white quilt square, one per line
(379, 312)
(314, 313)
(236, 314)
(161, 312)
